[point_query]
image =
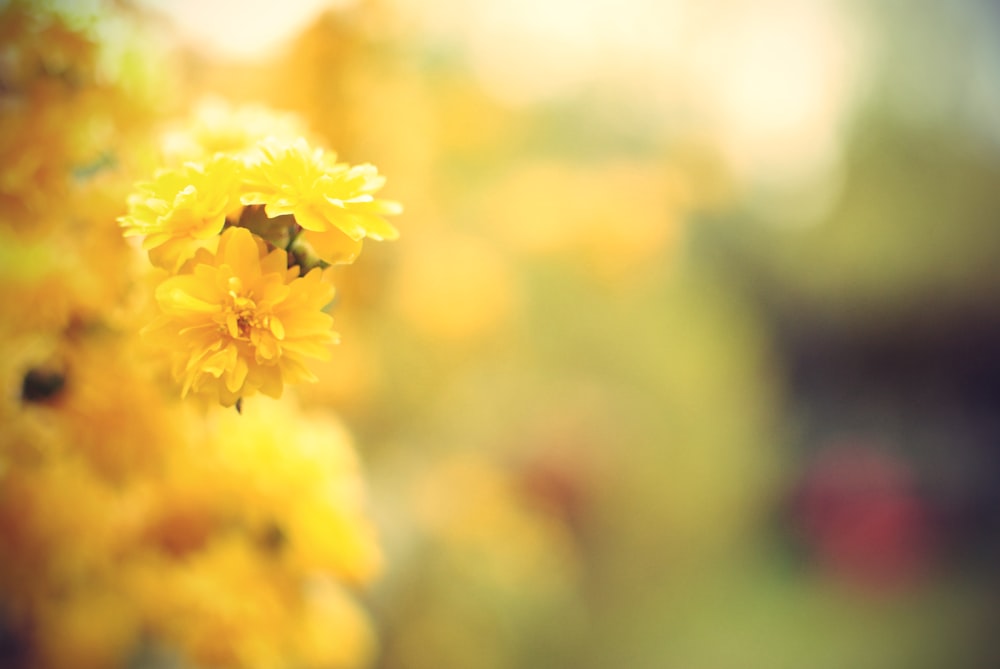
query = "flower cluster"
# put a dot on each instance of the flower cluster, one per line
(136, 529)
(245, 235)
(129, 535)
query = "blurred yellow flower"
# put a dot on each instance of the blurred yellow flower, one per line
(332, 630)
(258, 459)
(183, 209)
(242, 321)
(332, 202)
(216, 126)
(455, 287)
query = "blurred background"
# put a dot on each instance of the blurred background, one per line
(689, 353)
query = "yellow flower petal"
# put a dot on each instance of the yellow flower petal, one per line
(333, 246)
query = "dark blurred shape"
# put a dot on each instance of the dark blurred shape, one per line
(273, 538)
(13, 646)
(42, 385)
(924, 381)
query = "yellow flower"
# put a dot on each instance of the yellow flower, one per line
(333, 202)
(242, 321)
(183, 209)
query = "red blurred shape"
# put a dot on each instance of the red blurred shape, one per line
(859, 510)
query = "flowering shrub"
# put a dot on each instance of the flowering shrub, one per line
(139, 529)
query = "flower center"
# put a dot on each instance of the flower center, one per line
(242, 317)
(246, 320)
